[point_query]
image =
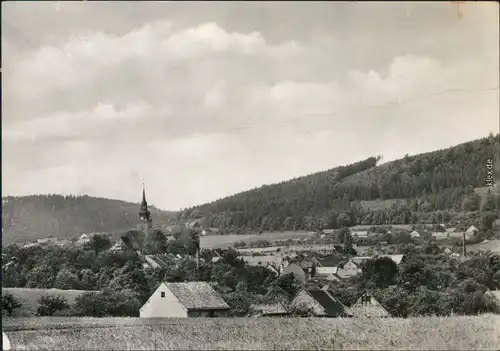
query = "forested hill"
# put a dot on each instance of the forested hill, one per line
(29, 218)
(425, 187)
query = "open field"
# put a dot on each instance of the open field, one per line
(225, 241)
(433, 333)
(492, 245)
(29, 298)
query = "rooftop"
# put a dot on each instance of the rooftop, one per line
(197, 295)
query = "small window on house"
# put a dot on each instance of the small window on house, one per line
(163, 294)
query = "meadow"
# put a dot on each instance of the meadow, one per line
(452, 333)
(490, 245)
(29, 298)
(225, 241)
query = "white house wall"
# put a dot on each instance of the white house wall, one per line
(163, 307)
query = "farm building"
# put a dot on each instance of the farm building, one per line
(160, 261)
(368, 307)
(182, 300)
(84, 239)
(459, 235)
(118, 246)
(320, 302)
(441, 235)
(396, 258)
(327, 273)
(359, 233)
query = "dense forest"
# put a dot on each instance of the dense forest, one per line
(29, 218)
(431, 187)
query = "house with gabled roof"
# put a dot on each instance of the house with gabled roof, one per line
(368, 307)
(460, 235)
(327, 273)
(160, 261)
(320, 303)
(182, 300)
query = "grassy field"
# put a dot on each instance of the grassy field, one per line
(225, 241)
(491, 245)
(29, 298)
(454, 333)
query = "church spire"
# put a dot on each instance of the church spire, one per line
(144, 214)
(144, 202)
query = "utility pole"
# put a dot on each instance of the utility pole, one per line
(464, 249)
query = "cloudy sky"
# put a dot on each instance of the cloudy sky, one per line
(207, 99)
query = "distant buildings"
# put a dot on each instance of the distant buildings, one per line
(182, 300)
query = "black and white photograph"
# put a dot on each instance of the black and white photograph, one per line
(250, 175)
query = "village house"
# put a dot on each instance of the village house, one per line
(182, 300)
(83, 240)
(415, 234)
(368, 307)
(360, 234)
(472, 230)
(441, 235)
(327, 273)
(396, 258)
(118, 246)
(161, 261)
(460, 235)
(320, 302)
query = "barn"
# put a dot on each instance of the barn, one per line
(181, 300)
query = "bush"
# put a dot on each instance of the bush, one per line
(48, 305)
(108, 303)
(10, 303)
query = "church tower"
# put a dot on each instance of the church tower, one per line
(145, 221)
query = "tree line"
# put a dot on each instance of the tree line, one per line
(432, 186)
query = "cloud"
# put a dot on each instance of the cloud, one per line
(82, 124)
(205, 105)
(51, 69)
(215, 97)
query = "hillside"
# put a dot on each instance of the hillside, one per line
(426, 187)
(29, 218)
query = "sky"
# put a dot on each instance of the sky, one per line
(206, 99)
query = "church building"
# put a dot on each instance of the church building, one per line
(145, 221)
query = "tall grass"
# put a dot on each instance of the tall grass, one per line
(454, 333)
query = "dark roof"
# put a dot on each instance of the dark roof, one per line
(297, 272)
(197, 296)
(134, 239)
(332, 306)
(165, 260)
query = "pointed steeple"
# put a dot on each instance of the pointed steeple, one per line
(144, 202)
(144, 214)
